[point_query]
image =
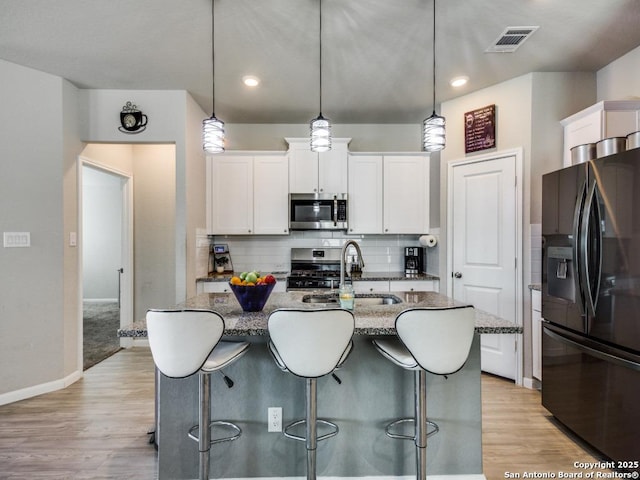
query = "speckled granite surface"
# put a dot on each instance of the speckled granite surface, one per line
(368, 276)
(370, 319)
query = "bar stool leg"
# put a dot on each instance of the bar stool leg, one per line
(421, 423)
(312, 430)
(204, 419)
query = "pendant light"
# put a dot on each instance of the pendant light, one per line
(213, 128)
(433, 128)
(320, 127)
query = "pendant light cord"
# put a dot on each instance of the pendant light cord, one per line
(213, 59)
(320, 54)
(434, 57)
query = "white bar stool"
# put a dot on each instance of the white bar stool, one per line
(430, 340)
(310, 344)
(185, 342)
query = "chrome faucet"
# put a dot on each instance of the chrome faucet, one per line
(343, 254)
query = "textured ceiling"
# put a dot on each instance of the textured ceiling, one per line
(377, 62)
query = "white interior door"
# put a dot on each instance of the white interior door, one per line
(484, 250)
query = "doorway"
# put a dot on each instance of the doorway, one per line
(485, 245)
(104, 249)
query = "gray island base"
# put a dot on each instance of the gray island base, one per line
(373, 392)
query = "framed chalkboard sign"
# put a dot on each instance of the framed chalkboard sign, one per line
(480, 129)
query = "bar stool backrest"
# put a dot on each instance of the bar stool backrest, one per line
(438, 339)
(181, 340)
(311, 343)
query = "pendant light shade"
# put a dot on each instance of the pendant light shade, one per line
(433, 128)
(320, 127)
(213, 135)
(213, 128)
(320, 134)
(433, 133)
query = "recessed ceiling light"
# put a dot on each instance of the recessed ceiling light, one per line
(250, 81)
(459, 81)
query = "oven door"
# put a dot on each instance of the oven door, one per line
(315, 211)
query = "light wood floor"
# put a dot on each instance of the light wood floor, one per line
(96, 428)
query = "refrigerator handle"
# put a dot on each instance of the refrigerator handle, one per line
(591, 291)
(577, 243)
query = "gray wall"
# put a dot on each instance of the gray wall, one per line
(528, 111)
(38, 285)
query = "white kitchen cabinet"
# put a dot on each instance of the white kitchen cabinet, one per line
(230, 195)
(414, 286)
(536, 333)
(365, 194)
(270, 195)
(370, 286)
(215, 287)
(247, 194)
(311, 172)
(406, 194)
(603, 120)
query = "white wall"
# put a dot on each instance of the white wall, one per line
(38, 285)
(173, 118)
(620, 80)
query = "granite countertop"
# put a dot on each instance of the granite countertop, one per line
(535, 286)
(364, 276)
(370, 320)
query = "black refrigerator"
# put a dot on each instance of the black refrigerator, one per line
(591, 302)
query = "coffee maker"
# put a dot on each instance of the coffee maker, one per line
(414, 262)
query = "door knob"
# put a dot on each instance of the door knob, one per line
(457, 275)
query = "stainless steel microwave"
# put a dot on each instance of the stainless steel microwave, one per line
(318, 211)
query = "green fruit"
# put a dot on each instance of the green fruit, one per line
(251, 278)
(243, 275)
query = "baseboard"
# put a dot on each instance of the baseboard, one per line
(35, 390)
(140, 342)
(531, 383)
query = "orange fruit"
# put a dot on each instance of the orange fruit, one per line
(235, 281)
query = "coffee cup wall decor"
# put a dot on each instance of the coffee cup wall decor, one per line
(132, 120)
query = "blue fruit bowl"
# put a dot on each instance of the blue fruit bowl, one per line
(252, 298)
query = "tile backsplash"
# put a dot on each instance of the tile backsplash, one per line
(272, 253)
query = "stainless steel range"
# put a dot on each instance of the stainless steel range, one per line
(314, 268)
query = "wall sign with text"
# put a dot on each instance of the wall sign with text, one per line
(480, 129)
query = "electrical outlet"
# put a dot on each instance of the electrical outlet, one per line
(274, 419)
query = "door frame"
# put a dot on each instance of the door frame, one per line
(518, 153)
(126, 281)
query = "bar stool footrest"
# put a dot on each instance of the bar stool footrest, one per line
(193, 430)
(333, 433)
(400, 436)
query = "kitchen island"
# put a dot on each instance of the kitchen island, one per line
(372, 392)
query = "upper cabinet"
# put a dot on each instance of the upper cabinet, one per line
(389, 194)
(365, 194)
(406, 193)
(247, 194)
(311, 172)
(600, 121)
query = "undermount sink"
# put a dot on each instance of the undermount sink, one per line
(367, 299)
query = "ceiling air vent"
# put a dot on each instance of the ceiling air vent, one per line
(511, 39)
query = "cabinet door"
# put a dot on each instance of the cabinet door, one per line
(365, 194)
(333, 169)
(270, 195)
(370, 286)
(412, 286)
(215, 287)
(303, 169)
(231, 195)
(406, 194)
